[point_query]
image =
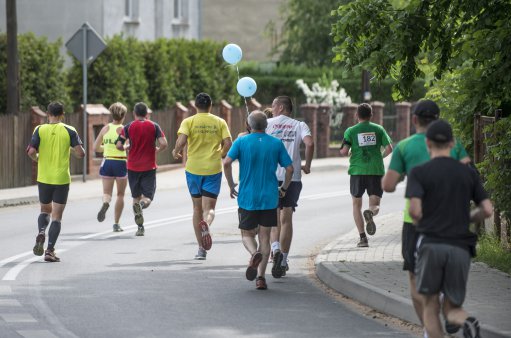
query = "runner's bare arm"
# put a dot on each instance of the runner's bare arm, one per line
(345, 149)
(98, 142)
(78, 151)
(32, 153)
(287, 180)
(177, 152)
(163, 144)
(466, 160)
(415, 209)
(483, 210)
(228, 176)
(120, 142)
(387, 151)
(309, 153)
(226, 145)
(390, 180)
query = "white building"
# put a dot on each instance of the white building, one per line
(143, 19)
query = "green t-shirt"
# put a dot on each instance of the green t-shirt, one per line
(53, 142)
(411, 152)
(366, 140)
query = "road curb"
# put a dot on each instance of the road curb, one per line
(375, 297)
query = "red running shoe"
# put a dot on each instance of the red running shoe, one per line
(255, 260)
(206, 237)
(261, 283)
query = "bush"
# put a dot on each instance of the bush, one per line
(273, 80)
(490, 252)
(116, 75)
(41, 72)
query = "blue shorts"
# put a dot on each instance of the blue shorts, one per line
(208, 185)
(113, 169)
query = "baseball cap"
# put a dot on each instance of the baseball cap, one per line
(439, 131)
(427, 108)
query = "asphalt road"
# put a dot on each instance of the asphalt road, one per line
(118, 285)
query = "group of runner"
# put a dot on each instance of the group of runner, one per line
(436, 242)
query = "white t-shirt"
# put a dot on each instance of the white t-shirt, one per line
(291, 132)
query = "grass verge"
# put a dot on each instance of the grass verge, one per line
(491, 252)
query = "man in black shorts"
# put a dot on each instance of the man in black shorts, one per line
(258, 155)
(440, 192)
(50, 147)
(366, 140)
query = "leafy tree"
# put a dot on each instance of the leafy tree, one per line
(306, 32)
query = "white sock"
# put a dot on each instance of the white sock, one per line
(284, 259)
(425, 334)
(275, 246)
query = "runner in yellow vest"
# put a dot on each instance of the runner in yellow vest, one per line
(113, 168)
(50, 147)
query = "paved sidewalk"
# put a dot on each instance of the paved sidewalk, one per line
(374, 276)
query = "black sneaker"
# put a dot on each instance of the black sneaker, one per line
(451, 328)
(139, 216)
(276, 270)
(102, 212)
(284, 269)
(140, 231)
(39, 244)
(117, 228)
(471, 328)
(363, 243)
(370, 226)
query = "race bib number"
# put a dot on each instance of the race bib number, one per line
(366, 139)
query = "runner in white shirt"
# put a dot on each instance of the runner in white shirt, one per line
(292, 133)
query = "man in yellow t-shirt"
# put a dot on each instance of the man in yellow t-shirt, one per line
(50, 147)
(208, 139)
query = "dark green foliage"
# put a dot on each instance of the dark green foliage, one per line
(41, 76)
(306, 32)
(116, 75)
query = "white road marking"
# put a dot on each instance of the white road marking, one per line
(36, 334)
(9, 302)
(18, 318)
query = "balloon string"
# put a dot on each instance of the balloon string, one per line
(244, 98)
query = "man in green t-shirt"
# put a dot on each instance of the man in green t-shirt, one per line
(50, 147)
(366, 140)
(408, 154)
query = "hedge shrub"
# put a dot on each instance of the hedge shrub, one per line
(41, 76)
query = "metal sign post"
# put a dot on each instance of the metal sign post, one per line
(86, 45)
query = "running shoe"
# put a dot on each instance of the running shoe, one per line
(255, 260)
(117, 228)
(50, 256)
(206, 237)
(140, 231)
(139, 217)
(276, 270)
(363, 243)
(102, 212)
(284, 269)
(471, 328)
(201, 255)
(451, 328)
(39, 244)
(370, 226)
(261, 283)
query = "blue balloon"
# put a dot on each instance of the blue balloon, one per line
(246, 86)
(232, 53)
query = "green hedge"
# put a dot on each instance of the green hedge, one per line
(41, 77)
(274, 80)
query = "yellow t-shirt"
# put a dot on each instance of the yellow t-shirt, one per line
(53, 142)
(205, 133)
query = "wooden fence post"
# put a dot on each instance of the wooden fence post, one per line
(38, 117)
(226, 113)
(181, 113)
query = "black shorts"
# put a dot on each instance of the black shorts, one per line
(360, 183)
(250, 219)
(142, 183)
(443, 268)
(408, 246)
(290, 200)
(53, 193)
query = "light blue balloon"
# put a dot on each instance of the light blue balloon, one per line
(246, 86)
(232, 53)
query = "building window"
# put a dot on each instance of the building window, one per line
(131, 11)
(180, 15)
